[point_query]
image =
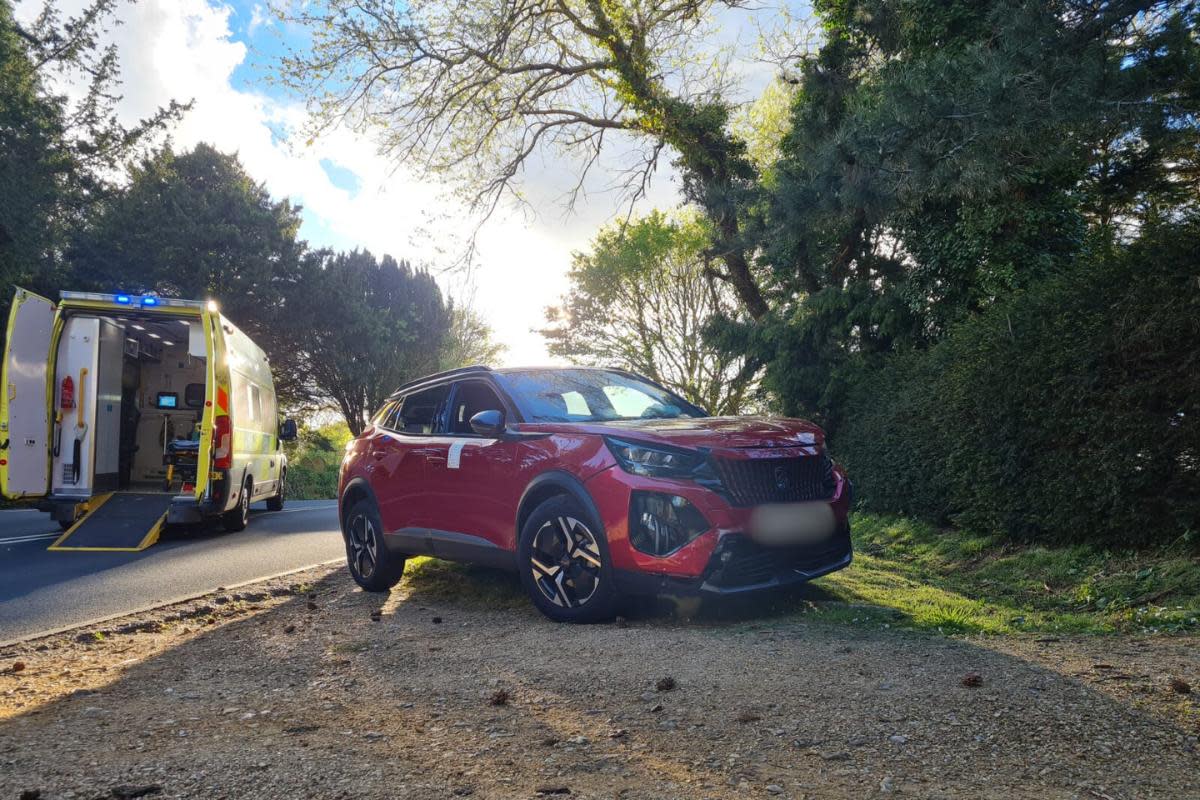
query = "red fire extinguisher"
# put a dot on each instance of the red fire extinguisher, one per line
(66, 402)
(66, 397)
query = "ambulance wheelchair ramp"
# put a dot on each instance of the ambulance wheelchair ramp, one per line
(123, 522)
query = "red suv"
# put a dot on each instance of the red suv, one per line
(591, 483)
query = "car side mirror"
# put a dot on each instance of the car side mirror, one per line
(288, 431)
(488, 423)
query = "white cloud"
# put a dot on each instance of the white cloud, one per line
(259, 17)
(185, 49)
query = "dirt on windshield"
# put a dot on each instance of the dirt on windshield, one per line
(306, 687)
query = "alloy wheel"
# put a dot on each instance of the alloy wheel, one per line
(364, 552)
(565, 561)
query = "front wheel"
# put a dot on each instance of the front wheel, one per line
(275, 503)
(372, 565)
(564, 562)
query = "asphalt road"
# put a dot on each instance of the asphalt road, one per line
(43, 591)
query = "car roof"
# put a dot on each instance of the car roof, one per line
(479, 370)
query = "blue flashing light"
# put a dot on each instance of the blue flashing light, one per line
(123, 299)
(149, 301)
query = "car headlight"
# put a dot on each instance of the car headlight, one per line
(660, 524)
(653, 460)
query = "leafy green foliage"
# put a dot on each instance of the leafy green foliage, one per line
(313, 461)
(974, 198)
(640, 300)
(57, 155)
(911, 574)
(196, 225)
(193, 224)
(1067, 412)
(360, 326)
(469, 90)
(469, 340)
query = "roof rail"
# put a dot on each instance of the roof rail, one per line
(439, 376)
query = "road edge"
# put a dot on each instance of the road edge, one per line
(162, 604)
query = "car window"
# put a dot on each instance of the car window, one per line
(470, 398)
(419, 412)
(591, 395)
(628, 401)
(385, 411)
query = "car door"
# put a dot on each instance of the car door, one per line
(396, 453)
(25, 433)
(473, 490)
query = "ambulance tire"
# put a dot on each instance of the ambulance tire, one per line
(236, 518)
(275, 503)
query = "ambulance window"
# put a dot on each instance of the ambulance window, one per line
(268, 410)
(253, 404)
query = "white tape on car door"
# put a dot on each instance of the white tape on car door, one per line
(454, 457)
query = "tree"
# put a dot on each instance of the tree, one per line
(360, 327)
(469, 90)
(944, 155)
(58, 156)
(469, 340)
(196, 225)
(640, 300)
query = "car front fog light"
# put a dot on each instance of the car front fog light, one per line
(660, 524)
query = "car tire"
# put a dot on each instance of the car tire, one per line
(565, 564)
(236, 518)
(275, 503)
(371, 564)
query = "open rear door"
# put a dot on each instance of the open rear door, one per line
(24, 404)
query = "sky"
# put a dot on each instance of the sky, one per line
(219, 55)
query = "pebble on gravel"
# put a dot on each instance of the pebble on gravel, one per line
(289, 629)
(130, 792)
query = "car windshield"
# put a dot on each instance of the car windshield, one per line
(591, 395)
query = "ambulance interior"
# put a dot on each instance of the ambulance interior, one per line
(126, 387)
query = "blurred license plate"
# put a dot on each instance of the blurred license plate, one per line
(791, 523)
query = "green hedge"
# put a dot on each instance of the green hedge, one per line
(1069, 412)
(313, 461)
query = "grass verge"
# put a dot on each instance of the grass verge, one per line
(910, 574)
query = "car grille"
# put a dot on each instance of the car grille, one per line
(739, 561)
(754, 481)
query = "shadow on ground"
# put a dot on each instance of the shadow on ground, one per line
(332, 694)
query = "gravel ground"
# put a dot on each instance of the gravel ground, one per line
(294, 689)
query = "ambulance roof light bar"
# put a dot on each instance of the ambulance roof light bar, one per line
(144, 301)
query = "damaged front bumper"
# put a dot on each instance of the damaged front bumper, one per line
(739, 565)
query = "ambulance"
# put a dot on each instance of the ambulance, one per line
(123, 413)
